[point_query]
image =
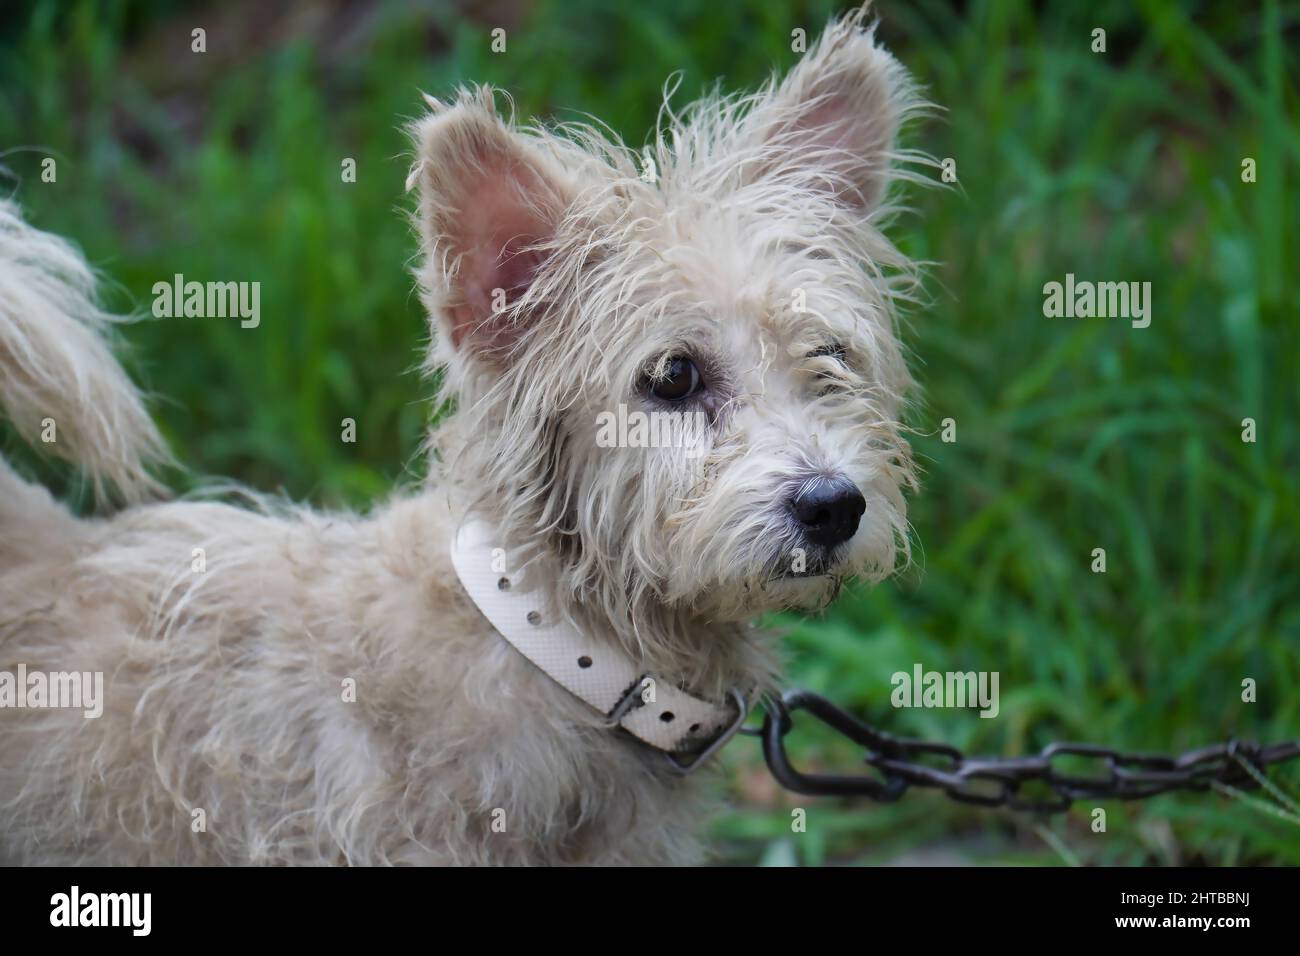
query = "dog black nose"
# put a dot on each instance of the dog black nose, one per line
(829, 511)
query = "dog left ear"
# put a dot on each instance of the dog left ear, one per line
(489, 205)
(833, 121)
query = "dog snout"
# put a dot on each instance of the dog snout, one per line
(829, 511)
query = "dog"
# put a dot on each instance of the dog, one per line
(524, 660)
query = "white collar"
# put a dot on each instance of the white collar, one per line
(598, 673)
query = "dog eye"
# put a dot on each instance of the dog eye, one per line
(832, 380)
(681, 380)
(835, 350)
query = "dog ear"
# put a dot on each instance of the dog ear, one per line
(489, 206)
(833, 121)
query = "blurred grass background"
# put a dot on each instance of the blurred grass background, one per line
(1072, 434)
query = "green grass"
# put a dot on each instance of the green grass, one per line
(1072, 434)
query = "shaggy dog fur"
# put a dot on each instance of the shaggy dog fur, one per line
(559, 282)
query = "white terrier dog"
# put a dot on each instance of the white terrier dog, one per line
(513, 664)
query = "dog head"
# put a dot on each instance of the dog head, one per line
(679, 368)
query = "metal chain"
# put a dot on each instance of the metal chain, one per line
(996, 782)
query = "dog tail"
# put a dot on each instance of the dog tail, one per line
(60, 385)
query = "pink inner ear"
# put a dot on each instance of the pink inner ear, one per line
(848, 134)
(832, 126)
(499, 221)
(829, 125)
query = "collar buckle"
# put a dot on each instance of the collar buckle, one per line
(718, 742)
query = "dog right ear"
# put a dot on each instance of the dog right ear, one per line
(489, 208)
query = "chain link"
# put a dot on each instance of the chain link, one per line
(997, 782)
